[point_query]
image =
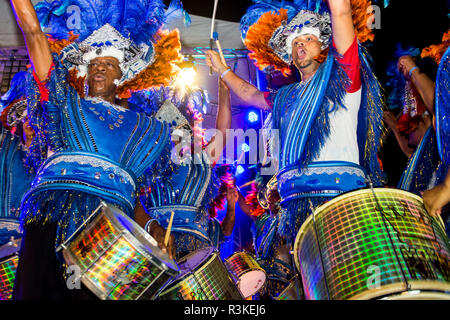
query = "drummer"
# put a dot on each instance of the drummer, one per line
(437, 199)
(262, 206)
(335, 149)
(98, 147)
(16, 136)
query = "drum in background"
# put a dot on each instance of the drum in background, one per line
(118, 260)
(203, 276)
(293, 291)
(9, 259)
(358, 246)
(246, 272)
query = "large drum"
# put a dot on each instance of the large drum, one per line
(117, 259)
(9, 259)
(373, 244)
(293, 291)
(246, 272)
(203, 276)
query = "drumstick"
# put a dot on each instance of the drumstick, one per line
(216, 38)
(169, 227)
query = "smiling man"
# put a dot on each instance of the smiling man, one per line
(329, 122)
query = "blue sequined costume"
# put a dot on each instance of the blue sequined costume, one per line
(15, 180)
(301, 113)
(186, 190)
(279, 270)
(100, 152)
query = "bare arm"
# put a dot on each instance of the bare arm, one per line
(402, 141)
(342, 24)
(244, 90)
(424, 85)
(229, 219)
(434, 199)
(246, 208)
(156, 231)
(223, 122)
(36, 41)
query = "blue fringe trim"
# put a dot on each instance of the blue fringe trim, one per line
(45, 118)
(370, 120)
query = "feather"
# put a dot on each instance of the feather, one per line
(17, 89)
(137, 19)
(176, 13)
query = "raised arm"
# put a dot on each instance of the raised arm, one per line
(424, 85)
(244, 90)
(223, 122)
(35, 40)
(342, 24)
(229, 219)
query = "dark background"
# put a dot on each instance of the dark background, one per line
(416, 23)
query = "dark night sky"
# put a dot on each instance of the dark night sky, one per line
(417, 23)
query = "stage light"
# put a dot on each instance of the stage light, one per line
(239, 170)
(252, 117)
(185, 77)
(245, 147)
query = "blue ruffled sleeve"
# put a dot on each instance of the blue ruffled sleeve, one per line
(46, 101)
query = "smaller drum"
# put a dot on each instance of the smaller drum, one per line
(247, 273)
(9, 260)
(118, 260)
(203, 276)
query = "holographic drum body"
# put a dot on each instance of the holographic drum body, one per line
(9, 259)
(293, 291)
(117, 259)
(373, 244)
(246, 272)
(203, 276)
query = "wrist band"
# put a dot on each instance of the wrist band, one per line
(412, 69)
(224, 73)
(147, 225)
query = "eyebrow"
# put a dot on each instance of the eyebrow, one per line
(106, 59)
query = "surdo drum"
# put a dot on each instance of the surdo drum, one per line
(373, 244)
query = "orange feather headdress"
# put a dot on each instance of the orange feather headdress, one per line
(259, 35)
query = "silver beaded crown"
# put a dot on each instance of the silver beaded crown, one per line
(107, 41)
(305, 22)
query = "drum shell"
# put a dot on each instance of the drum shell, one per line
(9, 260)
(210, 280)
(241, 264)
(293, 291)
(350, 249)
(117, 260)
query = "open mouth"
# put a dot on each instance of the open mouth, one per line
(301, 53)
(99, 77)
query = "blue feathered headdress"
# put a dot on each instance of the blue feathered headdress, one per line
(119, 28)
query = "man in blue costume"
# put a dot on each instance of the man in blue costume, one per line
(330, 122)
(96, 150)
(436, 200)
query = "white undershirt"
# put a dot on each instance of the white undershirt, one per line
(342, 144)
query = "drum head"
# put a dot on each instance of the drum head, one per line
(192, 261)
(251, 282)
